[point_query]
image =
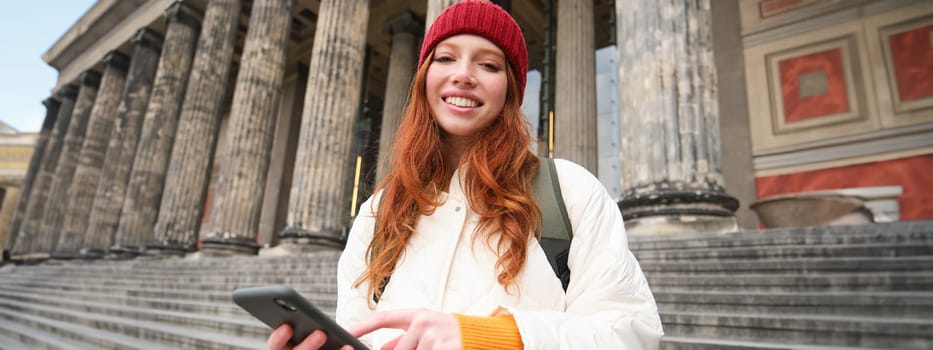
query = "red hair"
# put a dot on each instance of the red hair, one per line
(498, 184)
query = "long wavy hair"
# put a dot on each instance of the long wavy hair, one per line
(499, 169)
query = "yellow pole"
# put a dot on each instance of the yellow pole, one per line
(356, 185)
(550, 134)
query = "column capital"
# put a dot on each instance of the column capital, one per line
(182, 12)
(69, 91)
(403, 22)
(49, 101)
(149, 38)
(89, 78)
(117, 60)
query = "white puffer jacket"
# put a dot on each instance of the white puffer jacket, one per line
(608, 304)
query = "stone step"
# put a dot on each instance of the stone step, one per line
(690, 343)
(900, 333)
(178, 265)
(920, 232)
(876, 304)
(246, 278)
(118, 291)
(71, 333)
(787, 252)
(18, 336)
(238, 324)
(186, 337)
(802, 265)
(193, 301)
(790, 282)
(78, 282)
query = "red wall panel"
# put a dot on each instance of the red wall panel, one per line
(914, 174)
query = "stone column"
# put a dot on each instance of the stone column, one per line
(403, 59)
(186, 181)
(669, 121)
(575, 90)
(27, 238)
(144, 189)
(108, 199)
(435, 7)
(80, 195)
(38, 154)
(317, 204)
(53, 216)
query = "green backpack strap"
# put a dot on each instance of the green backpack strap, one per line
(556, 231)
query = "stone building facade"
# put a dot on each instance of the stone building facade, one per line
(224, 126)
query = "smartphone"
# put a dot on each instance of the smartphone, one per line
(276, 305)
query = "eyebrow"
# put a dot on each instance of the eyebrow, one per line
(482, 51)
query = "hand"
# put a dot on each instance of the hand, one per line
(424, 329)
(278, 340)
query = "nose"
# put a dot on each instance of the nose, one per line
(463, 75)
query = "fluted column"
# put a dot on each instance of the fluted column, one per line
(144, 189)
(188, 173)
(317, 203)
(38, 153)
(54, 213)
(403, 59)
(80, 195)
(670, 120)
(25, 246)
(108, 199)
(575, 92)
(234, 216)
(435, 7)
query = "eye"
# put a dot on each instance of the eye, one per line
(491, 67)
(443, 59)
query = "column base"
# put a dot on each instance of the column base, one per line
(93, 254)
(332, 239)
(679, 211)
(65, 256)
(167, 250)
(679, 224)
(124, 253)
(29, 258)
(217, 245)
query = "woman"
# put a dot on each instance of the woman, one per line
(454, 222)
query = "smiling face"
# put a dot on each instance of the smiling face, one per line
(466, 85)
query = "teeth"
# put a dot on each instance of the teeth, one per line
(461, 102)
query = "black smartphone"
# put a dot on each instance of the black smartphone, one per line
(276, 305)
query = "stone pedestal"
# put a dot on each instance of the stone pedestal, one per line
(54, 214)
(403, 61)
(80, 196)
(38, 153)
(318, 209)
(670, 155)
(24, 246)
(108, 199)
(144, 189)
(575, 90)
(179, 214)
(237, 204)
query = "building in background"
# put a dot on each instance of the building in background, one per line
(192, 128)
(15, 152)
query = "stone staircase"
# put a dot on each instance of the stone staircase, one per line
(865, 286)
(823, 287)
(149, 304)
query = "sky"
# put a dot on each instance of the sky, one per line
(27, 29)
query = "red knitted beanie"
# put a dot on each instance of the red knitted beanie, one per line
(487, 20)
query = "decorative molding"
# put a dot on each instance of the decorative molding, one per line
(863, 145)
(878, 30)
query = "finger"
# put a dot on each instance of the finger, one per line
(408, 341)
(313, 341)
(346, 347)
(391, 344)
(398, 319)
(279, 338)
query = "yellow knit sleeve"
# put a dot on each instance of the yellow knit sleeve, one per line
(491, 333)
